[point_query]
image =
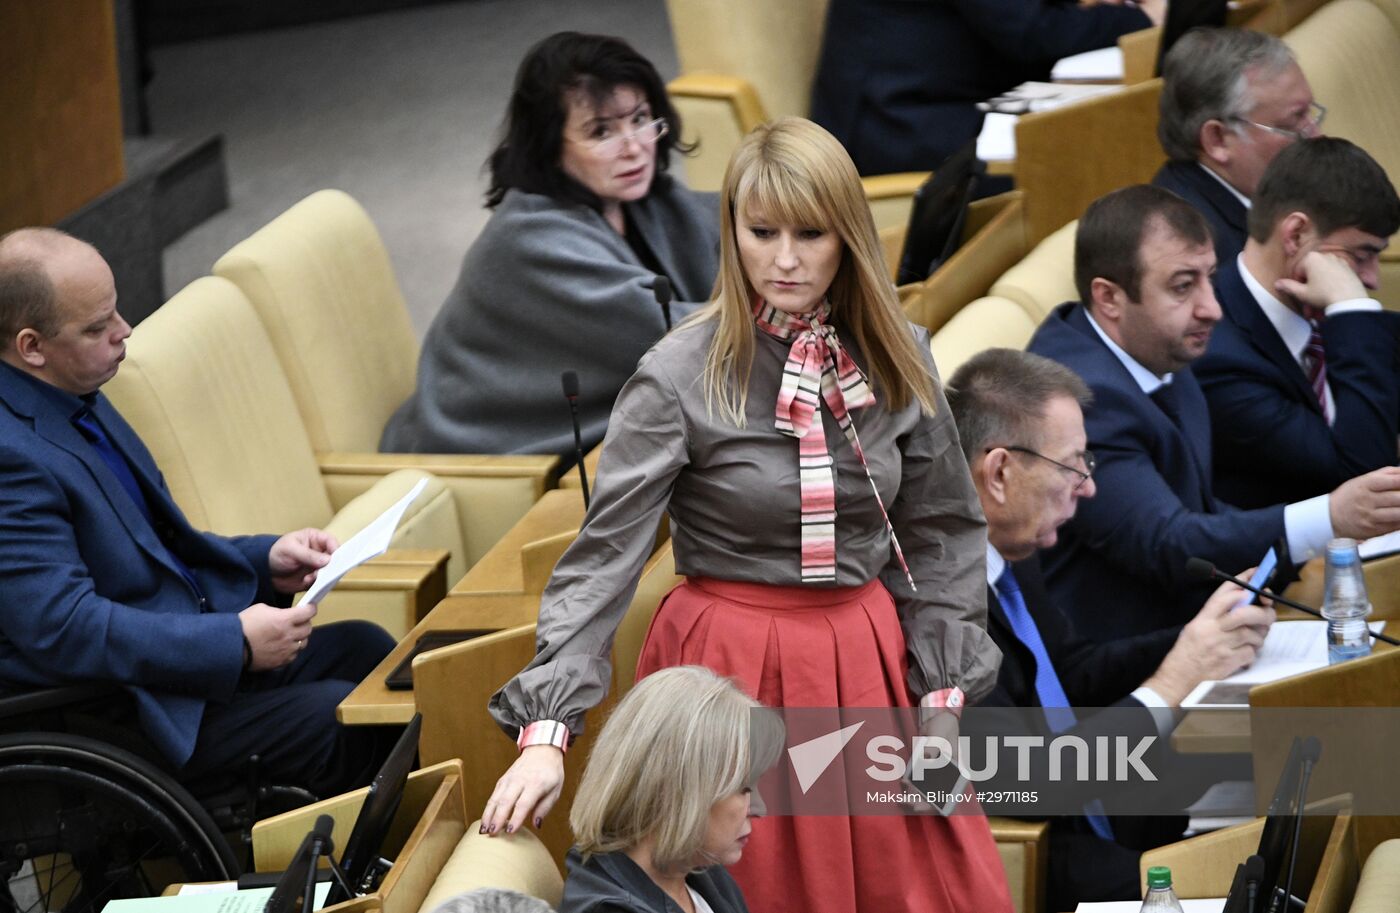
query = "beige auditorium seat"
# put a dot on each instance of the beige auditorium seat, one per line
(203, 388)
(1044, 278)
(1350, 52)
(515, 862)
(743, 63)
(321, 282)
(1379, 886)
(1015, 305)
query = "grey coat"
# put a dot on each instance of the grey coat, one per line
(551, 287)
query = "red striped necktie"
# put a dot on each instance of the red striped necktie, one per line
(819, 370)
(1315, 359)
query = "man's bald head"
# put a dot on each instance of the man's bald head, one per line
(58, 318)
(27, 294)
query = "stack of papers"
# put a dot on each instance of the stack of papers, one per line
(1105, 64)
(370, 542)
(1292, 648)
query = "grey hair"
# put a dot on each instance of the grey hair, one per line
(1205, 77)
(493, 900)
(999, 395)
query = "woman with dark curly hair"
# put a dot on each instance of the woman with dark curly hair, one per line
(586, 217)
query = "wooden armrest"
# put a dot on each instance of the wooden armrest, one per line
(739, 92)
(885, 186)
(445, 465)
(1007, 830)
(1024, 849)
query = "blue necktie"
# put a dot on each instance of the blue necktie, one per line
(1058, 713)
(96, 435)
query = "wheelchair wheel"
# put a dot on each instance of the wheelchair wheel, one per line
(83, 822)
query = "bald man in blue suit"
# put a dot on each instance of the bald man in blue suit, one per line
(102, 579)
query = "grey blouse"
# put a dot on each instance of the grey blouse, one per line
(734, 501)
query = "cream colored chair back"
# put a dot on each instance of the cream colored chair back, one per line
(773, 44)
(203, 388)
(514, 862)
(1044, 278)
(1350, 52)
(322, 284)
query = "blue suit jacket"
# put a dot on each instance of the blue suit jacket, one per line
(898, 80)
(1228, 217)
(1271, 442)
(88, 591)
(1119, 565)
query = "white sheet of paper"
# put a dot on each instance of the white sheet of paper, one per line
(997, 141)
(370, 542)
(1292, 648)
(1188, 905)
(1105, 63)
(253, 900)
(212, 887)
(1379, 545)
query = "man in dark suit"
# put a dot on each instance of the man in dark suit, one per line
(898, 82)
(1302, 375)
(1231, 100)
(1142, 263)
(102, 579)
(1021, 425)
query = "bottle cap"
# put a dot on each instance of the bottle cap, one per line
(1342, 552)
(1159, 876)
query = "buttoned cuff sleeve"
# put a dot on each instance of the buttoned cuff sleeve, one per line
(1162, 714)
(950, 699)
(544, 732)
(1352, 306)
(1308, 527)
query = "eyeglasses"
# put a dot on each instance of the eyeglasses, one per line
(1083, 474)
(612, 146)
(1308, 127)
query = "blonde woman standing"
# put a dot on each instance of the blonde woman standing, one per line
(822, 513)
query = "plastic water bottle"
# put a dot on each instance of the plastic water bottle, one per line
(1346, 605)
(1160, 896)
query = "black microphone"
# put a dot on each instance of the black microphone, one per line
(1253, 877)
(1202, 570)
(570, 381)
(1311, 751)
(321, 834)
(661, 288)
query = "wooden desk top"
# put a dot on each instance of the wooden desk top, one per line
(373, 704)
(499, 570)
(1227, 731)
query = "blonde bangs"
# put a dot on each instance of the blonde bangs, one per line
(772, 192)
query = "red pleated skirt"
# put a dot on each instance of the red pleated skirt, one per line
(791, 646)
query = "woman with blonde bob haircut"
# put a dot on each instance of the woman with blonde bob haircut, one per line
(664, 803)
(822, 513)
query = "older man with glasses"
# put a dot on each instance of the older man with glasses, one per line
(1027, 491)
(1232, 99)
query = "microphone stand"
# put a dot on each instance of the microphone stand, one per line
(1312, 749)
(570, 381)
(1206, 570)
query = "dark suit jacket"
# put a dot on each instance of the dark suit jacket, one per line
(1271, 442)
(613, 883)
(1119, 566)
(898, 80)
(88, 591)
(1227, 216)
(1093, 674)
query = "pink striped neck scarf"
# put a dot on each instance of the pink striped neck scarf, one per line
(819, 370)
